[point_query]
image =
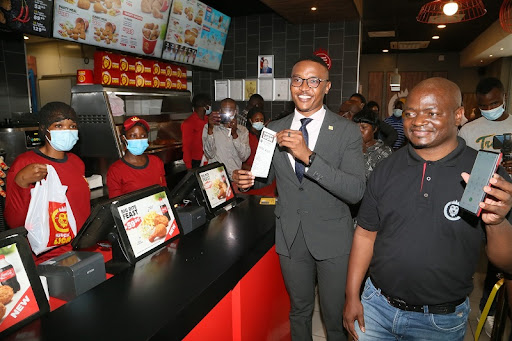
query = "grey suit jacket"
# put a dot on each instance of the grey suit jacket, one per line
(319, 203)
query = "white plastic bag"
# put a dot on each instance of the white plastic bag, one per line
(50, 221)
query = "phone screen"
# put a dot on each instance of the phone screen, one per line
(483, 169)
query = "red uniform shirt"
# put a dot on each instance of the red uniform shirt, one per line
(253, 143)
(192, 138)
(71, 171)
(125, 178)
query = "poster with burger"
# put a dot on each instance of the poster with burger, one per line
(148, 222)
(133, 26)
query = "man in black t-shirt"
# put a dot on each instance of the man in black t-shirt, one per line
(421, 248)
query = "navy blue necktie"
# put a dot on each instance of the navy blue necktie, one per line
(299, 166)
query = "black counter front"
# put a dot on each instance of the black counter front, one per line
(167, 293)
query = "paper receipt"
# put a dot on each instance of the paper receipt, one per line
(264, 153)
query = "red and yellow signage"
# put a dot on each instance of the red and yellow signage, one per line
(112, 69)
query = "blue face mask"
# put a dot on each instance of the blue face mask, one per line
(209, 110)
(397, 112)
(493, 114)
(137, 146)
(63, 140)
(258, 125)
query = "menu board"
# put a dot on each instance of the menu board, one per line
(148, 222)
(196, 34)
(127, 25)
(32, 17)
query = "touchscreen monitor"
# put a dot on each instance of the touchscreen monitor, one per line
(22, 298)
(144, 221)
(215, 186)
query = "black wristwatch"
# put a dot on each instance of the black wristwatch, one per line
(311, 159)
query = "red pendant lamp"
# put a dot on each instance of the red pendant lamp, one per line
(506, 16)
(432, 12)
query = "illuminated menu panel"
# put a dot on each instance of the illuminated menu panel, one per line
(196, 34)
(136, 26)
(32, 17)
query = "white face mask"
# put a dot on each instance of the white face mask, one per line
(397, 112)
(63, 140)
(493, 114)
(209, 110)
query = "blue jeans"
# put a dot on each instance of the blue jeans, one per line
(385, 322)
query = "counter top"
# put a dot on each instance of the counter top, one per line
(167, 293)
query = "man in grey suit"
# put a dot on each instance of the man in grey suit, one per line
(318, 166)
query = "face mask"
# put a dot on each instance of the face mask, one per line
(137, 146)
(209, 110)
(63, 140)
(493, 114)
(397, 112)
(258, 125)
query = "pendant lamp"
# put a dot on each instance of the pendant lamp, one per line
(434, 12)
(506, 16)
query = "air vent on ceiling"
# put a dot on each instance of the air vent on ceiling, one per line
(409, 45)
(444, 19)
(381, 34)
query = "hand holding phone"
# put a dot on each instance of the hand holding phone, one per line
(484, 168)
(226, 115)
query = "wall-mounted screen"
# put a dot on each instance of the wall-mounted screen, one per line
(196, 34)
(32, 17)
(125, 25)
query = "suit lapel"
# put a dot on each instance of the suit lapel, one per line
(326, 134)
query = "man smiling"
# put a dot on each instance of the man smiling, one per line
(318, 166)
(421, 248)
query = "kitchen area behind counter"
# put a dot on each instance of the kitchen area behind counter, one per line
(101, 116)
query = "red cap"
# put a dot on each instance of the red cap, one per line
(129, 123)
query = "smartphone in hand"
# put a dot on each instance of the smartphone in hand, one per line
(483, 170)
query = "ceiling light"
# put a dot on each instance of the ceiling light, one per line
(434, 11)
(435, 37)
(501, 49)
(385, 51)
(441, 26)
(313, 8)
(26, 38)
(450, 8)
(490, 55)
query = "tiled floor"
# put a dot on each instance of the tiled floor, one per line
(474, 298)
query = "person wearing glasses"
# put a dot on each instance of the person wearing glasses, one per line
(319, 170)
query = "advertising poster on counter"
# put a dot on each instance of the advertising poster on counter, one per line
(27, 16)
(148, 222)
(196, 34)
(17, 299)
(126, 25)
(216, 185)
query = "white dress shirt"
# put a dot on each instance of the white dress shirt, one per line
(313, 129)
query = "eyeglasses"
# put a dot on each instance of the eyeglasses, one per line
(312, 82)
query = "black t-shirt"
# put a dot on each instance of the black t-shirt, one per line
(426, 248)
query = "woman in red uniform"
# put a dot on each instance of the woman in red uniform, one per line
(135, 170)
(59, 132)
(255, 123)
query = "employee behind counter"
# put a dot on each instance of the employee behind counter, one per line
(135, 170)
(58, 124)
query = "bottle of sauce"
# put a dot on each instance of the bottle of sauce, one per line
(8, 275)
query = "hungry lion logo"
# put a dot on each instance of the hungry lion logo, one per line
(451, 210)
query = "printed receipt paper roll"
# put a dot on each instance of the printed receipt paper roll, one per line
(264, 153)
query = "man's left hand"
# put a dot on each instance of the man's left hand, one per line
(294, 141)
(498, 201)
